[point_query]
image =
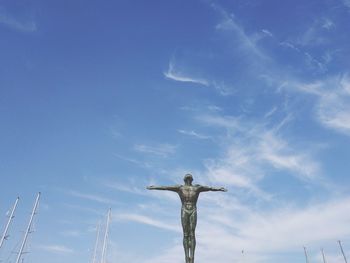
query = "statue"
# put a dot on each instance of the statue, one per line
(189, 195)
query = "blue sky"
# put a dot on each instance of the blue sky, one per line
(99, 99)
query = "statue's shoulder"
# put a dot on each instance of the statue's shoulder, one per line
(197, 185)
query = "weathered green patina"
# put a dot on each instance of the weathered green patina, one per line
(189, 194)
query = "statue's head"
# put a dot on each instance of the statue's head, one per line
(188, 179)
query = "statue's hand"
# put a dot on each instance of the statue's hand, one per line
(151, 187)
(223, 189)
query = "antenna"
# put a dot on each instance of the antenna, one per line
(103, 257)
(323, 256)
(96, 242)
(28, 228)
(5, 235)
(342, 251)
(306, 257)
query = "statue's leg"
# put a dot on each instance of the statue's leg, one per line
(186, 247)
(185, 227)
(193, 224)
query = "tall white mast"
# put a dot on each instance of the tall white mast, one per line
(4, 235)
(323, 256)
(96, 242)
(103, 257)
(243, 256)
(306, 257)
(28, 228)
(342, 251)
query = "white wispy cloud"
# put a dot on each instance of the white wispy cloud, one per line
(173, 254)
(15, 23)
(310, 60)
(281, 155)
(162, 150)
(118, 253)
(194, 134)
(226, 227)
(125, 187)
(314, 34)
(315, 223)
(247, 42)
(313, 62)
(177, 75)
(86, 209)
(328, 24)
(332, 99)
(221, 87)
(134, 161)
(224, 121)
(148, 221)
(267, 32)
(270, 112)
(289, 45)
(255, 146)
(214, 108)
(333, 108)
(71, 233)
(92, 197)
(262, 234)
(59, 249)
(346, 3)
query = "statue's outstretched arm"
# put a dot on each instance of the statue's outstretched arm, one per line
(174, 188)
(208, 188)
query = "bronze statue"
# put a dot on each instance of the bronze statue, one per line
(189, 195)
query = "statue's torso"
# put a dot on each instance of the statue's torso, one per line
(189, 196)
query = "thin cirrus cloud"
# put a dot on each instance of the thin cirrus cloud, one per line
(146, 220)
(223, 233)
(331, 92)
(333, 109)
(71, 233)
(346, 3)
(57, 249)
(264, 233)
(246, 42)
(125, 187)
(310, 61)
(176, 75)
(162, 150)
(332, 98)
(92, 197)
(194, 134)
(314, 35)
(254, 147)
(10, 21)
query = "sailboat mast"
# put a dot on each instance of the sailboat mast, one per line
(323, 256)
(4, 235)
(342, 251)
(103, 257)
(96, 242)
(306, 257)
(28, 228)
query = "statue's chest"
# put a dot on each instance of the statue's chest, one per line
(188, 192)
